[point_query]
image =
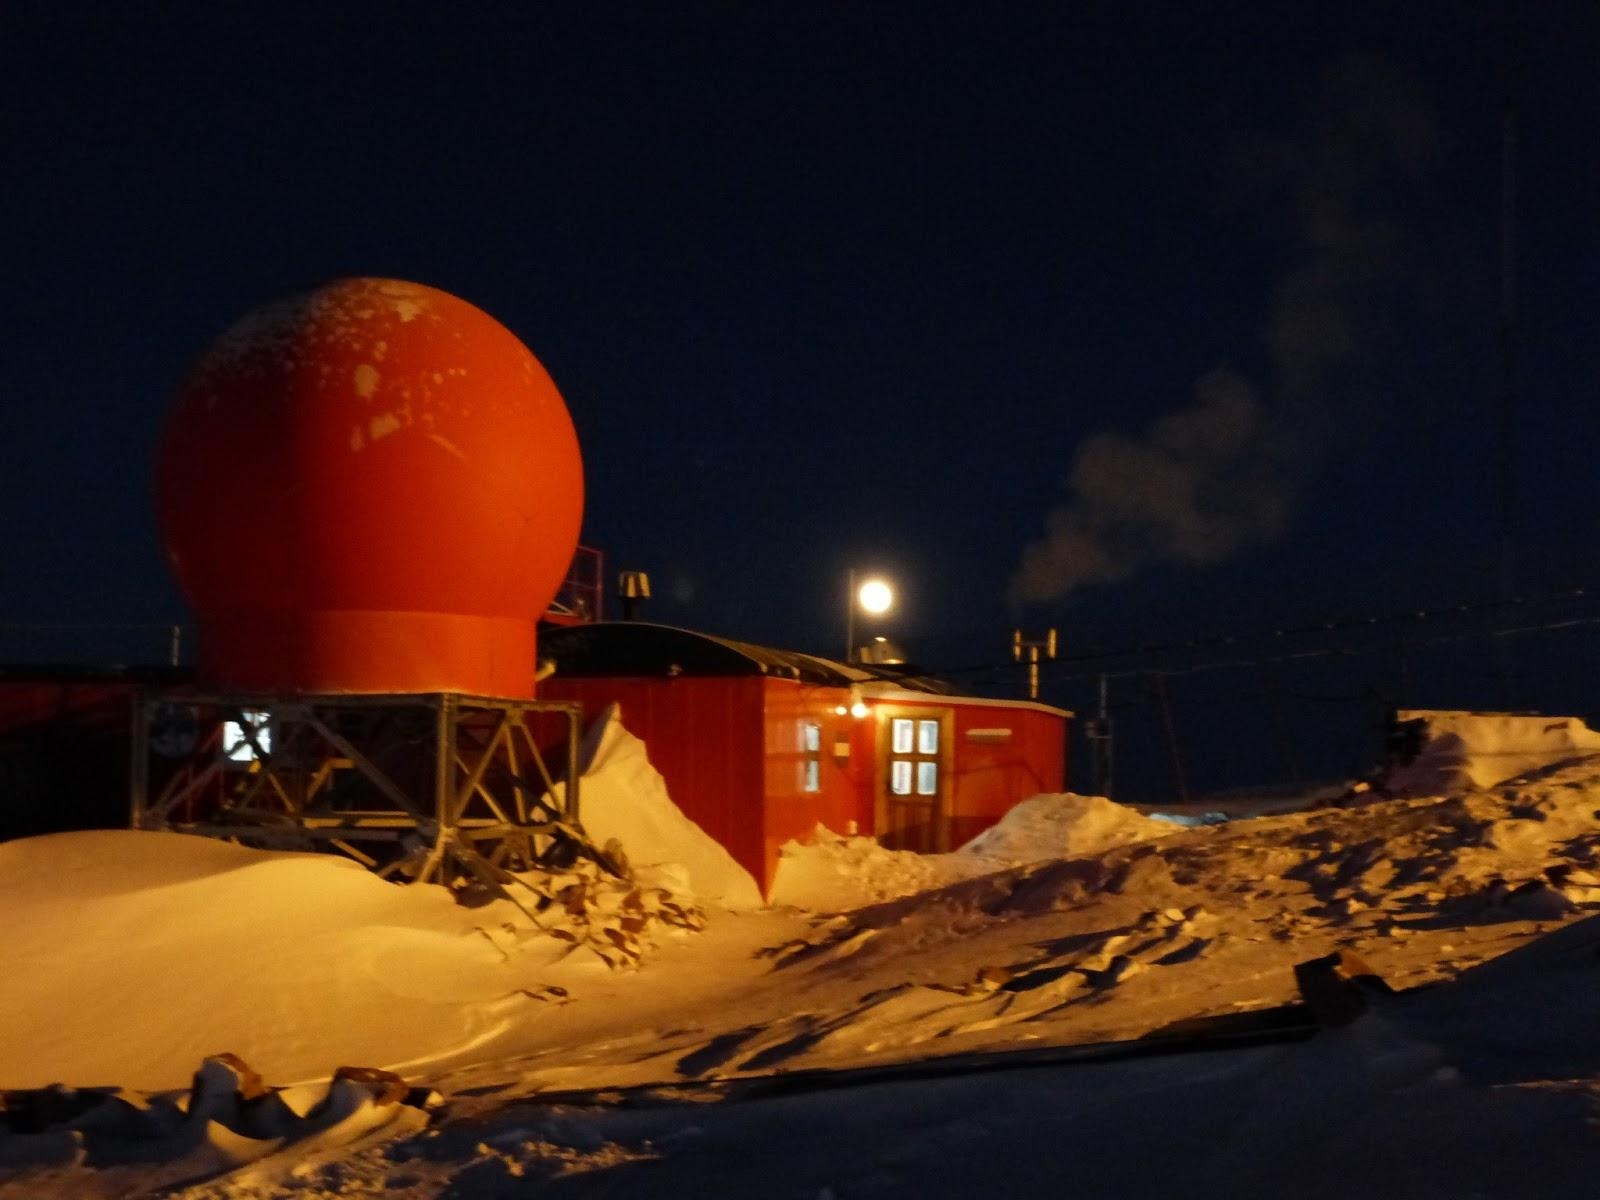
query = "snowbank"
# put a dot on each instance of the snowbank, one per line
(624, 798)
(830, 873)
(1465, 750)
(131, 956)
(1063, 825)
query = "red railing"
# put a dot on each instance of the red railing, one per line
(581, 596)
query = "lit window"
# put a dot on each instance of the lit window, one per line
(236, 745)
(902, 734)
(900, 777)
(927, 737)
(811, 763)
(927, 778)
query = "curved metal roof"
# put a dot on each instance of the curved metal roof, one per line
(618, 648)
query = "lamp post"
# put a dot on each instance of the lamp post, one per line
(873, 595)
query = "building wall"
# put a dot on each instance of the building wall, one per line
(999, 755)
(843, 773)
(991, 777)
(734, 756)
(704, 735)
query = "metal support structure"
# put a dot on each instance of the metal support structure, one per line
(1102, 746)
(850, 615)
(441, 787)
(1180, 779)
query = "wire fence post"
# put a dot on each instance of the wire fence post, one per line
(1165, 699)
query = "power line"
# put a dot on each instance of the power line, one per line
(1073, 665)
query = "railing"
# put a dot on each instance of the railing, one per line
(581, 597)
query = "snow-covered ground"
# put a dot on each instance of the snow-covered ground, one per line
(890, 1025)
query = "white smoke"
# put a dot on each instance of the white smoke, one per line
(1199, 485)
(1220, 474)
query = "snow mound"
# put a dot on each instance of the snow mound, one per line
(1063, 825)
(624, 799)
(132, 955)
(830, 873)
(1461, 751)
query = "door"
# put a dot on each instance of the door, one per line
(913, 789)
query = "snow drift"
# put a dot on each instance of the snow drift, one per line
(831, 872)
(1464, 750)
(624, 799)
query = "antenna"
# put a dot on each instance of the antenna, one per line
(1022, 648)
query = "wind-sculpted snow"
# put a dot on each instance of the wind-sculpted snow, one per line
(130, 954)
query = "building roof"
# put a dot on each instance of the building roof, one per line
(632, 648)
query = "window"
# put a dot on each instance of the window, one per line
(914, 753)
(900, 777)
(236, 747)
(913, 791)
(810, 756)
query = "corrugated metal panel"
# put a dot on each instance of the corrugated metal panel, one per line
(638, 648)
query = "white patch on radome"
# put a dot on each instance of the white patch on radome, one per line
(366, 380)
(382, 426)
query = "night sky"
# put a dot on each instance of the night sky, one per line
(1136, 319)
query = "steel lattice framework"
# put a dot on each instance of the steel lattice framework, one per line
(441, 787)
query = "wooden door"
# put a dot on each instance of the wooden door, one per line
(913, 769)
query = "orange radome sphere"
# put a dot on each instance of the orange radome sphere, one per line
(372, 487)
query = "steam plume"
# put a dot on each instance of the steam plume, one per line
(1220, 474)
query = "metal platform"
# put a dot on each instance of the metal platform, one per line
(439, 787)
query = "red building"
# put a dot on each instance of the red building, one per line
(758, 745)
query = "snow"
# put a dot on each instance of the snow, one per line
(1062, 826)
(1462, 749)
(624, 799)
(892, 1025)
(830, 871)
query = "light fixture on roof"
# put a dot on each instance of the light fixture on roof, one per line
(873, 596)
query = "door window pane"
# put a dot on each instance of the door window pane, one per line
(927, 737)
(901, 730)
(810, 736)
(813, 777)
(927, 778)
(900, 777)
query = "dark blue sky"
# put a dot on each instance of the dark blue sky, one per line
(855, 283)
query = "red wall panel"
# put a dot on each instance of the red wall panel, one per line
(732, 753)
(843, 799)
(704, 736)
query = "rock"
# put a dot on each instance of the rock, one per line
(1338, 987)
(1538, 901)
